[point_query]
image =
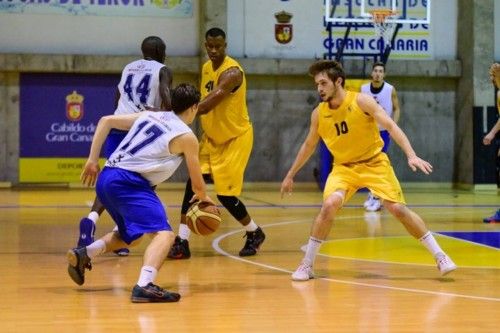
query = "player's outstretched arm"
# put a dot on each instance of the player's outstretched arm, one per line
(91, 168)
(306, 150)
(370, 106)
(228, 82)
(189, 146)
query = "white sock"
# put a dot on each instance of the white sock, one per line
(148, 274)
(312, 250)
(93, 216)
(252, 226)
(430, 243)
(184, 231)
(96, 248)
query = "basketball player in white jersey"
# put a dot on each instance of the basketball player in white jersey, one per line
(386, 96)
(144, 83)
(153, 149)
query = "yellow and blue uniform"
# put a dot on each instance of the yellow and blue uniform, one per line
(353, 138)
(227, 132)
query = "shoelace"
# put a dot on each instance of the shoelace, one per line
(304, 267)
(156, 288)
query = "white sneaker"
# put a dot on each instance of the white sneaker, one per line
(303, 273)
(375, 206)
(445, 264)
(368, 201)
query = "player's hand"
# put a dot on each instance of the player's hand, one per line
(205, 199)
(416, 163)
(89, 173)
(287, 186)
(488, 138)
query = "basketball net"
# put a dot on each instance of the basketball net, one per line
(383, 28)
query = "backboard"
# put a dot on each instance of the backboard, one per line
(358, 11)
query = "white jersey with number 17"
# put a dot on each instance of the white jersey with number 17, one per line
(139, 86)
(145, 149)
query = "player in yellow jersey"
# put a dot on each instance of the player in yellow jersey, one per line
(226, 143)
(490, 137)
(347, 123)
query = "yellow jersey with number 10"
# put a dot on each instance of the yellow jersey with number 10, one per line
(229, 119)
(350, 134)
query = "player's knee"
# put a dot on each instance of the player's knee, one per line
(234, 206)
(164, 235)
(330, 206)
(398, 210)
(334, 201)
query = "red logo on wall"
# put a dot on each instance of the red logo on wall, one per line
(74, 106)
(283, 30)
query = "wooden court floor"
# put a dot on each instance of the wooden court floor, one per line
(371, 276)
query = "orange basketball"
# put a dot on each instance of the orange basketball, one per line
(203, 218)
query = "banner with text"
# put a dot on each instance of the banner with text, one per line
(163, 8)
(59, 115)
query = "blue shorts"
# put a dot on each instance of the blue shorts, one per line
(131, 202)
(113, 141)
(387, 140)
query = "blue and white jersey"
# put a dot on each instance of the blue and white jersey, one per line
(139, 86)
(145, 149)
(382, 95)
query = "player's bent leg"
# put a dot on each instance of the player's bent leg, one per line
(157, 250)
(87, 231)
(410, 220)
(123, 251)
(145, 291)
(87, 224)
(416, 227)
(180, 248)
(254, 234)
(320, 229)
(323, 222)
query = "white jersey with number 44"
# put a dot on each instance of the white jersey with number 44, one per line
(139, 86)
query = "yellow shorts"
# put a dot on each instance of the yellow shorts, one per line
(376, 174)
(226, 162)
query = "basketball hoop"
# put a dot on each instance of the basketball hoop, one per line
(383, 28)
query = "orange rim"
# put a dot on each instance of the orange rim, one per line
(379, 15)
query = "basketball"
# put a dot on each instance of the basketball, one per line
(203, 218)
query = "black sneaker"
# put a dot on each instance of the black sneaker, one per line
(78, 261)
(153, 294)
(254, 241)
(180, 249)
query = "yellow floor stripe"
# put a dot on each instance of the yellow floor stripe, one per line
(406, 249)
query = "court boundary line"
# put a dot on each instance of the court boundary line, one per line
(218, 249)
